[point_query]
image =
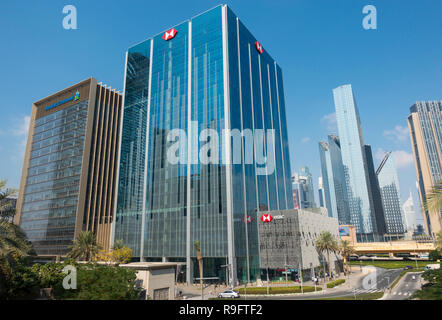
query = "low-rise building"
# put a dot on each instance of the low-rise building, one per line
(157, 279)
(287, 242)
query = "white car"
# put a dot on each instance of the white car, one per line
(228, 294)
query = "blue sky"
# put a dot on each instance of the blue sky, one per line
(319, 45)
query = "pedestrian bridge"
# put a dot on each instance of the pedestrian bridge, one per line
(394, 247)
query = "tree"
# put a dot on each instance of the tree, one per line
(327, 243)
(438, 243)
(118, 254)
(13, 242)
(346, 250)
(200, 261)
(85, 247)
(101, 282)
(434, 255)
(433, 203)
(433, 289)
(118, 244)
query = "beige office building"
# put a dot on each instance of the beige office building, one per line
(69, 174)
(425, 125)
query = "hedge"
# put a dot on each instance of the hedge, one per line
(278, 290)
(335, 283)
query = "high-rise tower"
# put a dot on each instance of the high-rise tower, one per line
(211, 85)
(425, 125)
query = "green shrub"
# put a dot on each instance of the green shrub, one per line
(101, 282)
(278, 290)
(335, 283)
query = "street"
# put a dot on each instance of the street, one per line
(406, 287)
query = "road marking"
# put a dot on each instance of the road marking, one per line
(399, 293)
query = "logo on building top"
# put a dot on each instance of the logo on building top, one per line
(249, 219)
(266, 218)
(170, 34)
(258, 47)
(74, 98)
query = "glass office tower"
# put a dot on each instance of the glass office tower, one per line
(302, 185)
(69, 172)
(391, 199)
(355, 164)
(374, 192)
(425, 125)
(333, 176)
(194, 83)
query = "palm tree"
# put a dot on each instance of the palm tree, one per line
(327, 243)
(85, 247)
(13, 242)
(438, 243)
(433, 203)
(346, 250)
(200, 260)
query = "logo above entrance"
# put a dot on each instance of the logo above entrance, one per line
(266, 218)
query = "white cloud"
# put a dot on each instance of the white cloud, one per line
(399, 133)
(402, 159)
(21, 128)
(330, 122)
(380, 153)
(305, 139)
(19, 131)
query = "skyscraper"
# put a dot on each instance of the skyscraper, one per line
(202, 82)
(355, 164)
(409, 213)
(334, 179)
(303, 183)
(389, 186)
(374, 192)
(425, 125)
(321, 193)
(69, 172)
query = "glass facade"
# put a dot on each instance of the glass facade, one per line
(375, 194)
(52, 186)
(334, 179)
(425, 124)
(133, 147)
(353, 159)
(303, 184)
(207, 78)
(389, 185)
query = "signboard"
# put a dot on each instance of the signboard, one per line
(75, 98)
(266, 218)
(344, 231)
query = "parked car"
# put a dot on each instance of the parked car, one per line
(432, 266)
(408, 267)
(228, 294)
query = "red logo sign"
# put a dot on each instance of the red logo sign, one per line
(170, 34)
(258, 47)
(266, 218)
(249, 219)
